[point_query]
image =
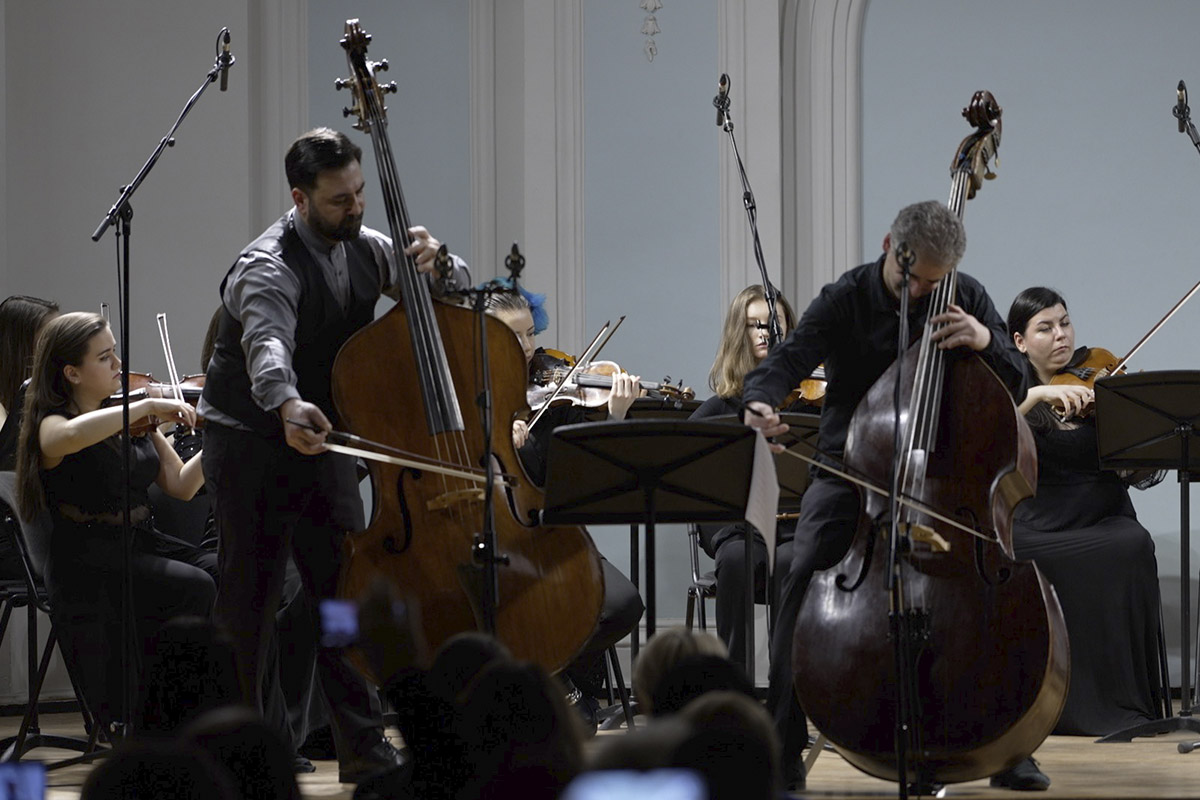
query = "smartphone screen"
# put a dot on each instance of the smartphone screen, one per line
(658, 784)
(22, 780)
(339, 623)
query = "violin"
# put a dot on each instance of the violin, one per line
(811, 390)
(1087, 365)
(142, 385)
(590, 386)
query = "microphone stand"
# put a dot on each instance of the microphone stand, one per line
(483, 549)
(721, 101)
(121, 214)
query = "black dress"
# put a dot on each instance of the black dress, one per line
(84, 569)
(1081, 531)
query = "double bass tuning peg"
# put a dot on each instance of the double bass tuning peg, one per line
(379, 66)
(343, 83)
(387, 88)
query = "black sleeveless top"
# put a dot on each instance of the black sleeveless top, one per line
(91, 480)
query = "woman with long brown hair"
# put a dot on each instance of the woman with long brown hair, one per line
(70, 462)
(21, 319)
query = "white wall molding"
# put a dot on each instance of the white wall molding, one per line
(822, 142)
(276, 56)
(748, 51)
(537, 149)
(569, 173)
(484, 200)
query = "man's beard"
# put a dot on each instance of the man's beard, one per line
(347, 229)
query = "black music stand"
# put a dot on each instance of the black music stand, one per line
(652, 471)
(647, 408)
(1147, 421)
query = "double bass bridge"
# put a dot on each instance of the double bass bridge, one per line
(457, 497)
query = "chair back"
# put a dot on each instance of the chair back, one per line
(31, 538)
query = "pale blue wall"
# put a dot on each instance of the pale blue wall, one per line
(1097, 191)
(425, 45)
(651, 197)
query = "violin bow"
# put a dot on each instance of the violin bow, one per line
(904, 500)
(353, 445)
(1154, 330)
(172, 374)
(598, 341)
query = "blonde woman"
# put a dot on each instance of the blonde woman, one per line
(744, 344)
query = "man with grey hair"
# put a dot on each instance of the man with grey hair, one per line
(852, 328)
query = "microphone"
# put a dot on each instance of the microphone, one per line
(1181, 105)
(1187, 747)
(225, 60)
(721, 101)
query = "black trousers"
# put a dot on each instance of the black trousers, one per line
(730, 561)
(828, 517)
(270, 500)
(84, 576)
(621, 611)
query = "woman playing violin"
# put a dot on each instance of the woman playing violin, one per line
(1081, 530)
(622, 604)
(744, 344)
(517, 313)
(70, 461)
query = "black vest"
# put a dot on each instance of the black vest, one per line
(322, 327)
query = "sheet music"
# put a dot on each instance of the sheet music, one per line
(763, 502)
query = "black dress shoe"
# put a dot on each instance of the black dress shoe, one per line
(794, 780)
(319, 745)
(395, 783)
(584, 705)
(378, 758)
(301, 765)
(1024, 777)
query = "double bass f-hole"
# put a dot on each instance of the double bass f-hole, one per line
(389, 542)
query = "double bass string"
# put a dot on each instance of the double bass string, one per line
(442, 411)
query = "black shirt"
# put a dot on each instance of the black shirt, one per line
(851, 327)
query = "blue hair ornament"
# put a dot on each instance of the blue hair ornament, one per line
(536, 300)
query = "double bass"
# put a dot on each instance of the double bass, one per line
(409, 381)
(984, 653)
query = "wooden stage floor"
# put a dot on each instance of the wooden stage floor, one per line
(1078, 768)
